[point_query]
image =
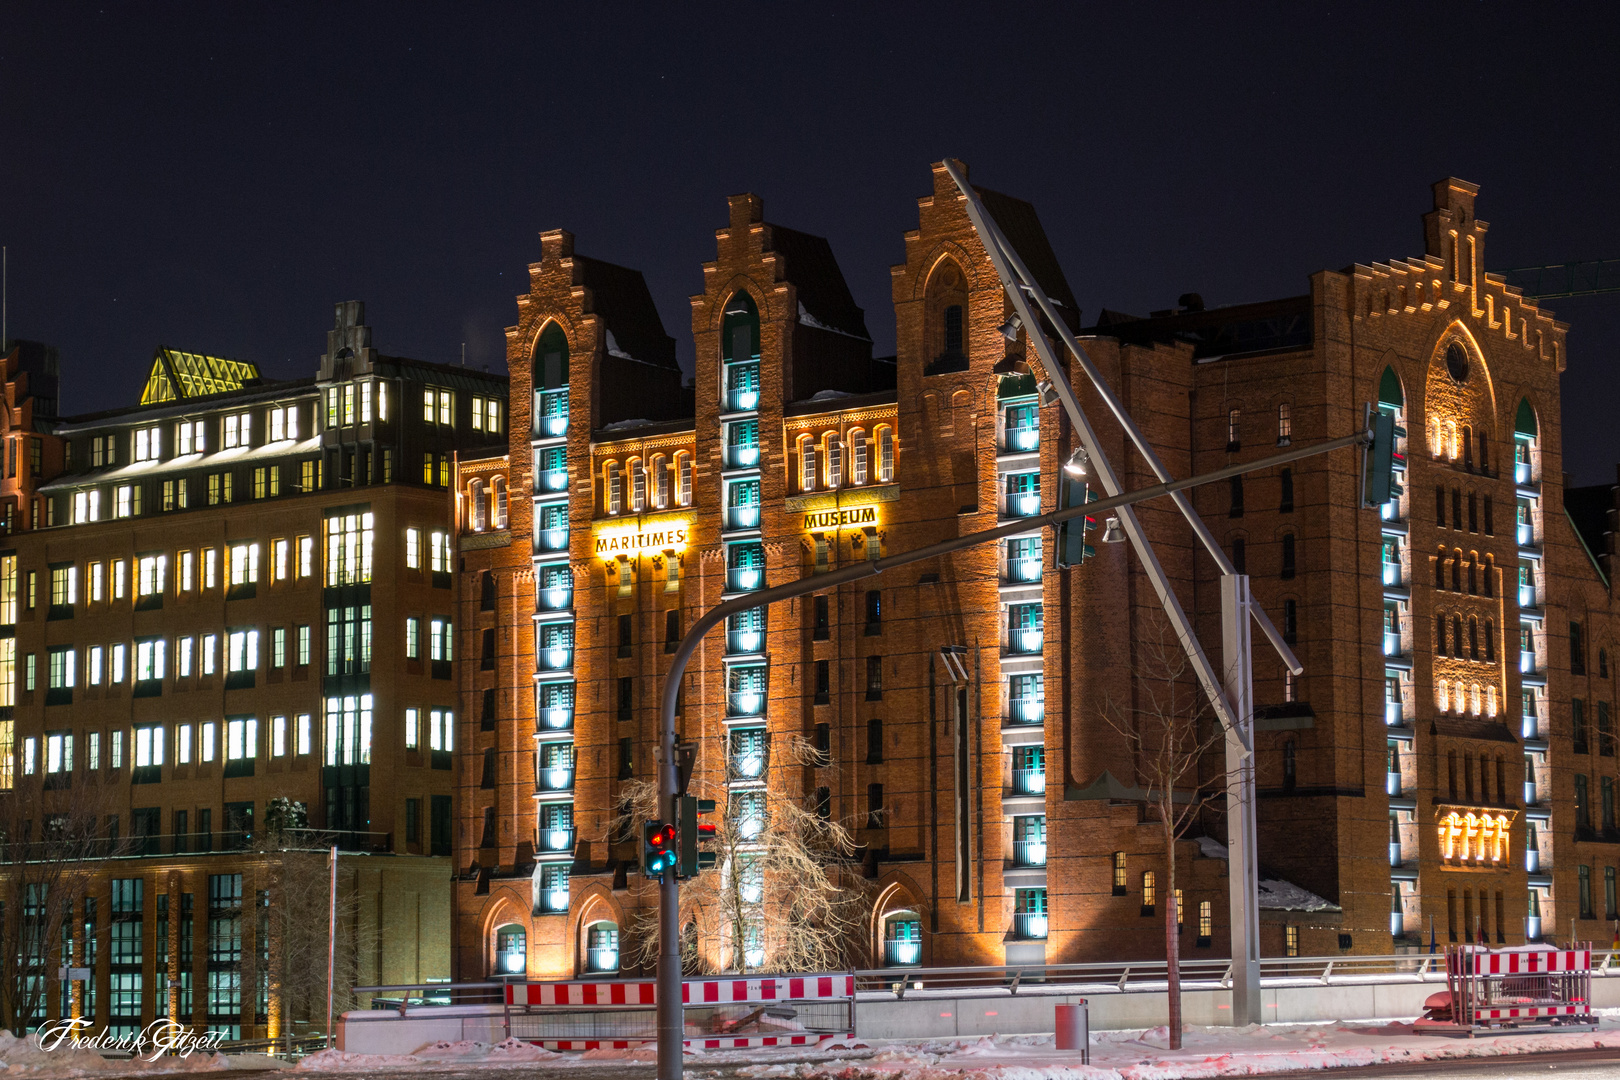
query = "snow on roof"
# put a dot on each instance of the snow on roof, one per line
(1211, 848)
(1279, 895)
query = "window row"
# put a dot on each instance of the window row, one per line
(1478, 644)
(655, 483)
(1234, 426)
(1473, 503)
(134, 499)
(184, 438)
(823, 464)
(1469, 572)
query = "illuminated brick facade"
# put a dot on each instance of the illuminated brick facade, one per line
(970, 783)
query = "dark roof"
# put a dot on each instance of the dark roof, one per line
(822, 289)
(626, 307)
(1022, 227)
(263, 390)
(811, 406)
(1589, 509)
(1239, 330)
(641, 429)
(458, 375)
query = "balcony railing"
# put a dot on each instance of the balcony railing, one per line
(1532, 860)
(602, 959)
(1029, 781)
(556, 598)
(1527, 596)
(1030, 925)
(742, 387)
(742, 456)
(1392, 783)
(1021, 504)
(1021, 440)
(1028, 710)
(902, 953)
(748, 765)
(744, 579)
(551, 539)
(1393, 575)
(1527, 534)
(1025, 640)
(554, 901)
(1530, 726)
(745, 703)
(1522, 473)
(554, 778)
(550, 479)
(1531, 795)
(1394, 714)
(1029, 853)
(1021, 570)
(555, 718)
(742, 517)
(549, 427)
(1392, 643)
(556, 840)
(1527, 663)
(744, 642)
(556, 657)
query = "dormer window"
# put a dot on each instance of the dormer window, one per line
(148, 444)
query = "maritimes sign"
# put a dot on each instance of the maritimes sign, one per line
(838, 519)
(636, 539)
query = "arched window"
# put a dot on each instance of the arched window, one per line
(683, 478)
(615, 488)
(477, 508)
(638, 485)
(807, 463)
(658, 481)
(501, 502)
(1526, 460)
(885, 451)
(1473, 638)
(1285, 425)
(1440, 569)
(1473, 575)
(551, 383)
(602, 947)
(1150, 891)
(1288, 556)
(945, 319)
(857, 456)
(511, 950)
(1233, 431)
(835, 461)
(1490, 641)
(1489, 570)
(1286, 503)
(1456, 570)
(902, 939)
(739, 354)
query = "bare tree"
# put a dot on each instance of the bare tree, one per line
(53, 830)
(1170, 729)
(297, 861)
(786, 892)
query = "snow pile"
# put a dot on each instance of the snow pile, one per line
(1206, 1053)
(24, 1058)
(434, 1055)
(1279, 895)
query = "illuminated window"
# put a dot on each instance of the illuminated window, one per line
(148, 444)
(189, 437)
(209, 646)
(306, 556)
(439, 552)
(1233, 439)
(149, 574)
(126, 500)
(486, 414)
(438, 406)
(64, 586)
(149, 659)
(182, 744)
(1285, 424)
(238, 430)
(280, 552)
(284, 423)
(885, 455)
(1119, 873)
(1206, 922)
(278, 736)
(86, 506)
(243, 563)
(349, 540)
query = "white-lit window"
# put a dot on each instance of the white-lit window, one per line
(439, 553)
(116, 751)
(86, 506)
(64, 586)
(303, 646)
(241, 738)
(238, 430)
(125, 503)
(306, 556)
(148, 444)
(207, 742)
(58, 752)
(115, 670)
(189, 437)
(149, 657)
(210, 642)
(118, 571)
(280, 554)
(439, 639)
(210, 571)
(278, 647)
(412, 722)
(242, 650)
(184, 666)
(94, 660)
(441, 729)
(349, 540)
(413, 549)
(98, 581)
(182, 744)
(348, 730)
(284, 423)
(188, 564)
(1285, 423)
(302, 744)
(243, 563)
(278, 736)
(148, 746)
(93, 751)
(30, 749)
(885, 455)
(149, 574)
(62, 668)
(413, 638)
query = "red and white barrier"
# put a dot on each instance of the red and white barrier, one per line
(1512, 988)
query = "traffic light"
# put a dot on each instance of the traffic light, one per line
(657, 848)
(1072, 549)
(1379, 480)
(692, 834)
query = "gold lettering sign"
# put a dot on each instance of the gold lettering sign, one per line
(840, 518)
(641, 538)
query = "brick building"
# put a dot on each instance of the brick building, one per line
(191, 672)
(1441, 758)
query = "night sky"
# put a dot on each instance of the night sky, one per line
(215, 177)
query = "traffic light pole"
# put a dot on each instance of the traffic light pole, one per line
(670, 1011)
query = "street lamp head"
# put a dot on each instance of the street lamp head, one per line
(1112, 533)
(1010, 328)
(1076, 465)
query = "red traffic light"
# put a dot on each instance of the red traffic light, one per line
(663, 839)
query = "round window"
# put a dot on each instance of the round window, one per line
(1457, 362)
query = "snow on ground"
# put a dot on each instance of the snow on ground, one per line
(24, 1058)
(1206, 1052)
(437, 1055)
